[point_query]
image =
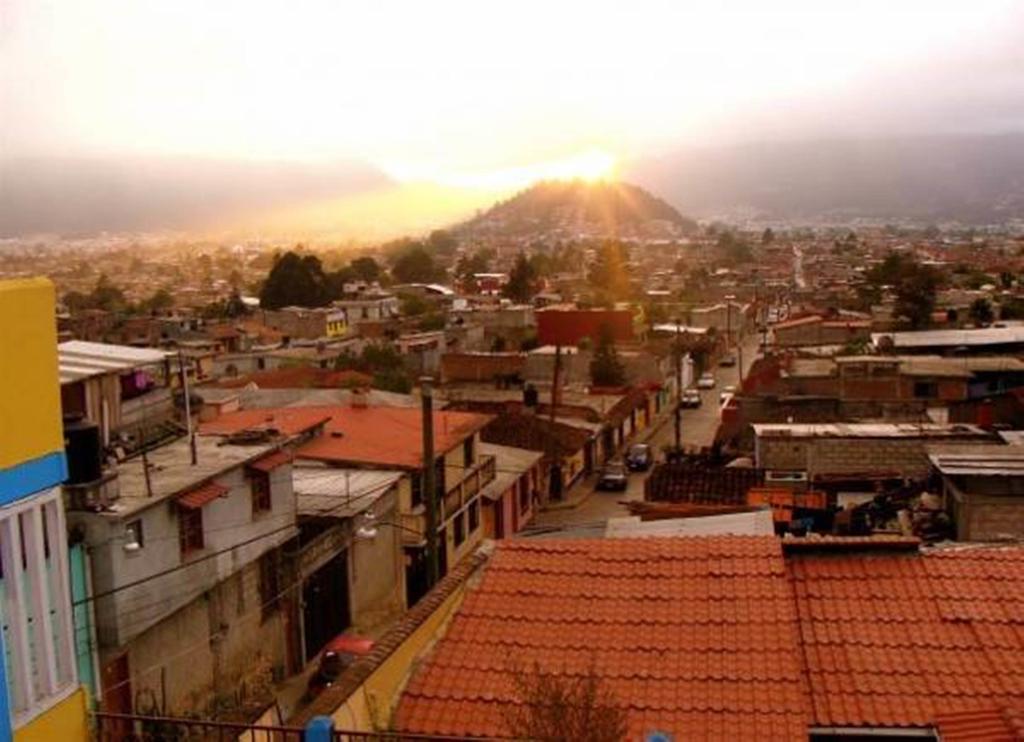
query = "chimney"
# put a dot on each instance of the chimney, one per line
(359, 398)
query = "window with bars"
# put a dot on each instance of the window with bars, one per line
(190, 530)
(260, 482)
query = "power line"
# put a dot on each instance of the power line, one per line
(211, 555)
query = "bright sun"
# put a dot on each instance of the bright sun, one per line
(592, 165)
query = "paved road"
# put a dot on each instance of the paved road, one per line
(698, 429)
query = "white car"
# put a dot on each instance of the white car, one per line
(706, 381)
(726, 394)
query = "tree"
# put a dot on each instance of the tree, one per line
(521, 281)
(915, 296)
(442, 242)
(295, 280)
(981, 312)
(469, 265)
(416, 265)
(160, 301)
(413, 305)
(365, 269)
(768, 236)
(606, 368)
(734, 250)
(915, 286)
(381, 361)
(564, 707)
(608, 274)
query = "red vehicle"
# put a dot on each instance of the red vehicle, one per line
(338, 654)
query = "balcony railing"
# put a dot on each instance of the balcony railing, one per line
(474, 480)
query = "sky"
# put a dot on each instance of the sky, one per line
(474, 93)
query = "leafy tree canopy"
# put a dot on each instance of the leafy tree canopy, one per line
(521, 281)
(416, 265)
(296, 280)
(606, 368)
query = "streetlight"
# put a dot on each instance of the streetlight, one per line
(370, 528)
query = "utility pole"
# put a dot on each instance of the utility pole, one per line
(429, 485)
(188, 408)
(679, 389)
(555, 473)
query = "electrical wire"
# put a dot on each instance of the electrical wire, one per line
(256, 612)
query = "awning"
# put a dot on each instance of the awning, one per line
(270, 462)
(194, 499)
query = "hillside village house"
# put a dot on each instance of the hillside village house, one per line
(117, 387)
(189, 601)
(359, 436)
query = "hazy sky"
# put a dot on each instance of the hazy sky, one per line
(477, 90)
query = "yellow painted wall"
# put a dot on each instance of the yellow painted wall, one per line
(369, 708)
(29, 381)
(67, 721)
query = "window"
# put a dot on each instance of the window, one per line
(260, 481)
(474, 515)
(524, 494)
(926, 390)
(35, 604)
(467, 452)
(190, 530)
(460, 529)
(133, 534)
(270, 583)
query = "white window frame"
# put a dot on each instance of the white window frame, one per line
(56, 674)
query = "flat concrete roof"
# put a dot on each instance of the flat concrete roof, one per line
(171, 471)
(866, 430)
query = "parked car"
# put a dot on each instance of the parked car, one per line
(690, 399)
(729, 360)
(726, 394)
(613, 477)
(640, 457)
(338, 654)
(706, 381)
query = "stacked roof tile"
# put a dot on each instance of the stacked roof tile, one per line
(739, 637)
(893, 640)
(695, 637)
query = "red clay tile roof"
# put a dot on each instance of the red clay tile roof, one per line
(694, 636)
(895, 640)
(385, 436)
(201, 495)
(985, 725)
(285, 420)
(271, 461)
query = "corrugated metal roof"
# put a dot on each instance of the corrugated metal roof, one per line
(1003, 461)
(81, 360)
(865, 430)
(339, 493)
(948, 338)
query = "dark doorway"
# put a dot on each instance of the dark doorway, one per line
(415, 575)
(325, 604)
(442, 553)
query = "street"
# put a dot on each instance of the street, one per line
(698, 429)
